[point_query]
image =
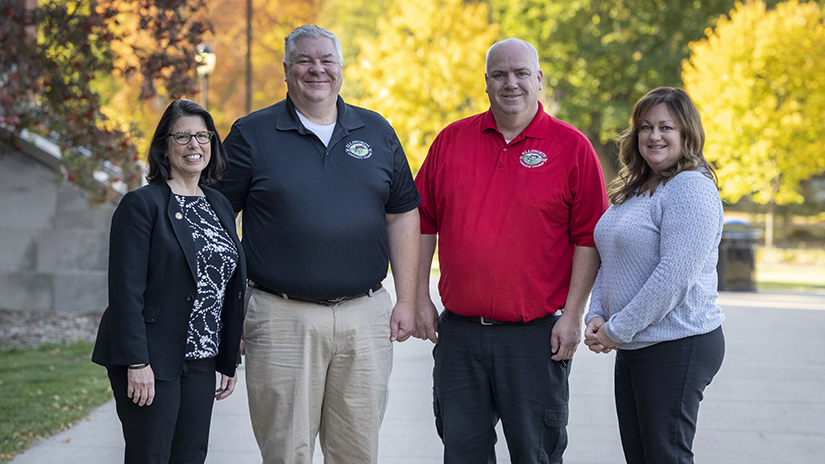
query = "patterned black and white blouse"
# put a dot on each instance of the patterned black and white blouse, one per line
(216, 260)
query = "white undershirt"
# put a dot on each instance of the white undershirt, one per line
(323, 132)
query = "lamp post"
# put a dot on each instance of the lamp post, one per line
(248, 56)
(206, 59)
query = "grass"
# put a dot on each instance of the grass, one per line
(789, 277)
(791, 256)
(44, 391)
(800, 269)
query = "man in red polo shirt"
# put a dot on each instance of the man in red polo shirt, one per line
(511, 197)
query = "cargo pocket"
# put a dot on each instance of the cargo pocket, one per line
(555, 417)
(554, 435)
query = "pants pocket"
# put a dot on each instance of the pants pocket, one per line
(556, 417)
(554, 435)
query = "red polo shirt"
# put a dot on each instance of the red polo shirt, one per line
(508, 216)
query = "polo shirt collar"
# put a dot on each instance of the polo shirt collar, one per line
(538, 128)
(348, 119)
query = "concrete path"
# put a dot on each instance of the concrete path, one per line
(765, 406)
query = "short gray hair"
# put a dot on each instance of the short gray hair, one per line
(527, 44)
(310, 30)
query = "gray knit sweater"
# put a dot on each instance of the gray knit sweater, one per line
(657, 281)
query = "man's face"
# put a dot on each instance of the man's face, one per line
(313, 72)
(513, 82)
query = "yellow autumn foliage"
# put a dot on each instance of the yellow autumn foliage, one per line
(759, 82)
(424, 68)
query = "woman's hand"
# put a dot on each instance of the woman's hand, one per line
(227, 386)
(596, 339)
(141, 387)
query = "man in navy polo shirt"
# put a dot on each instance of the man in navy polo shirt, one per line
(328, 202)
(511, 197)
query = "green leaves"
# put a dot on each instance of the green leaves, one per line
(600, 56)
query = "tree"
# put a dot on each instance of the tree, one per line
(55, 50)
(121, 98)
(759, 81)
(600, 56)
(271, 22)
(422, 73)
(352, 21)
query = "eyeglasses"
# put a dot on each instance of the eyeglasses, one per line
(183, 138)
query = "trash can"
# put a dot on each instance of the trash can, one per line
(737, 258)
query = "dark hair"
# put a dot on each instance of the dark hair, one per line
(635, 175)
(159, 169)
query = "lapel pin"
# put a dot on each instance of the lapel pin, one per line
(178, 216)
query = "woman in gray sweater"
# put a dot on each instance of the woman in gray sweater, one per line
(655, 293)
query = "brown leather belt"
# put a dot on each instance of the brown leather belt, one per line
(331, 302)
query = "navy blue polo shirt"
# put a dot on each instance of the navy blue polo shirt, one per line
(314, 216)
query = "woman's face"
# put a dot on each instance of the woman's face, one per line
(660, 140)
(187, 161)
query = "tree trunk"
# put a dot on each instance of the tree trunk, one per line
(769, 214)
(608, 157)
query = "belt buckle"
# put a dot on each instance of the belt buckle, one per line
(485, 321)
(336, 300)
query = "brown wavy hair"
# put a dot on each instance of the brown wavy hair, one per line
(636, 177)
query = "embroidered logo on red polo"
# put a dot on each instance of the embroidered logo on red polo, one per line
(532, 159)
(359, 149)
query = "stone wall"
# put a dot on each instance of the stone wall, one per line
(53, 246)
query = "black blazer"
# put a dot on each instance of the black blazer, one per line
(153, 283)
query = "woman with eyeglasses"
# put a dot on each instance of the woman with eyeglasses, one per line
(177, 279)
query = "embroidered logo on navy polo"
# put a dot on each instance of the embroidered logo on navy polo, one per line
(359, 149)
(532, 159)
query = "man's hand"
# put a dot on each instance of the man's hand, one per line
(567, 333)
(591, 338)
(403, 233)
(426, 316)
(402, 322)
(426, 320)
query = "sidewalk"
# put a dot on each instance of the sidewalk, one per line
(765, 406)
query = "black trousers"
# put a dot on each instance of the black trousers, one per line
(486, 373)
(658, 390)
(175, 428)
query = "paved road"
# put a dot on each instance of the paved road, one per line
(765, 406)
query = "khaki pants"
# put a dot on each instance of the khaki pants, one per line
(313, 369)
